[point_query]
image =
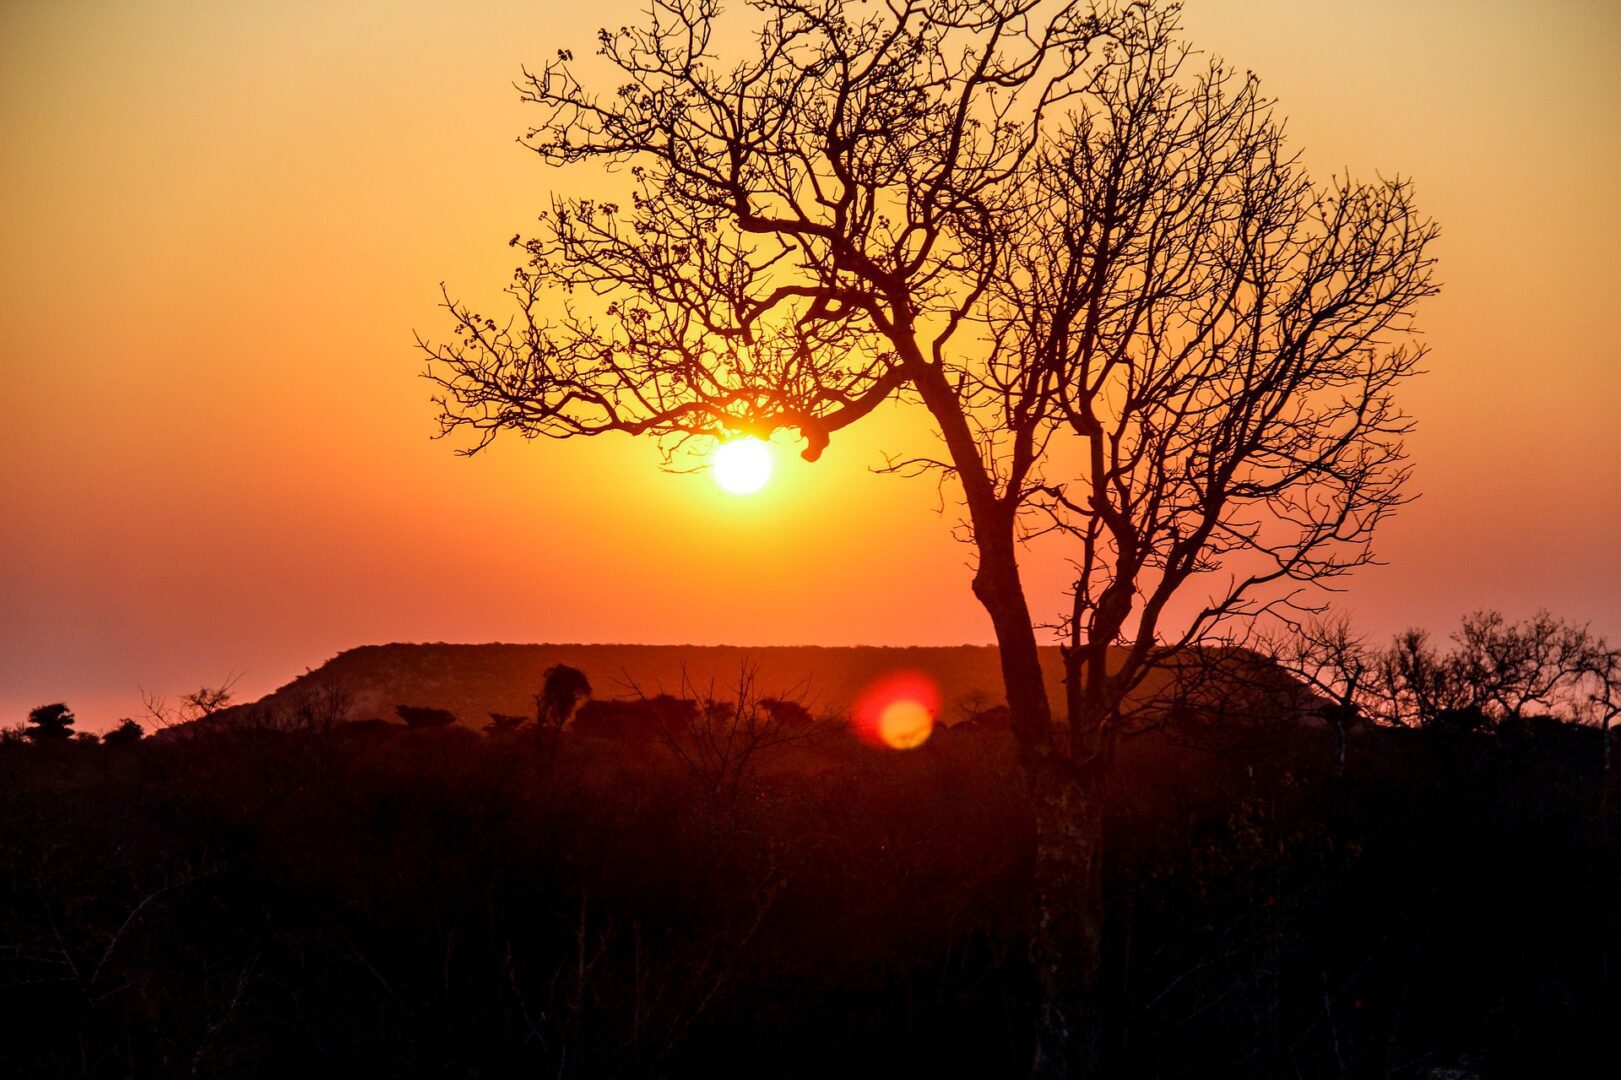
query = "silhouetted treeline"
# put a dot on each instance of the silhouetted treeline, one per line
(314, 898)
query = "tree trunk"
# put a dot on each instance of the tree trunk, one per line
(1066, 801)
(1069, 927)
(1068, 811)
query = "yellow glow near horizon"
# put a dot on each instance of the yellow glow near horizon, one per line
(742, 466)
(905, 724)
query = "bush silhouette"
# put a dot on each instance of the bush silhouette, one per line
(502, 723)
(621, 719)
(423, 716)
(126, 733)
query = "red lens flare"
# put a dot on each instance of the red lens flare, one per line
(897, 710)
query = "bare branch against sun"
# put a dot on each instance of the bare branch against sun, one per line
(1139, 328)
(1216, 344)
(795, 220)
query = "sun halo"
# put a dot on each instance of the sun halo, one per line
(741, 466)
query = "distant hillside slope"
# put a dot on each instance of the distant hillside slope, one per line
(473, 681)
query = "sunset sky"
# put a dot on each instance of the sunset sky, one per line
(221, 224)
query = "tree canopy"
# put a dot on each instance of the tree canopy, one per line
(1082, 247)
(50, 723)
(1085, 248)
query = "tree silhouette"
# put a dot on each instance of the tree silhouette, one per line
(562, 688)
(723, 740)
(1084, 250)
(1500, 672)
(50, 723)
(126, 733)
(194, 708)
(1336, 662)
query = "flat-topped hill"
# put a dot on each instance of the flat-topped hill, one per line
(475, 680)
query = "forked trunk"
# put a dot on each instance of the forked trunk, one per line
(1067, 804)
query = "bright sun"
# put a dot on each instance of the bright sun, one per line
(741, 466)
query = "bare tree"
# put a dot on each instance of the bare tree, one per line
(1339, 665)
(194, 708)
(1602, 676)
(1425, 688)
(1499, 672)
(316, 709)
(1085, 251)
(1540, 665)
(723, 741)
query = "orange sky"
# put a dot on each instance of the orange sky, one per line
(222, 222)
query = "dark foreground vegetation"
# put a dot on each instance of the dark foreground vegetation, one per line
(376, 900)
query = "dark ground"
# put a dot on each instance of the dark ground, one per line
(374, 902)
